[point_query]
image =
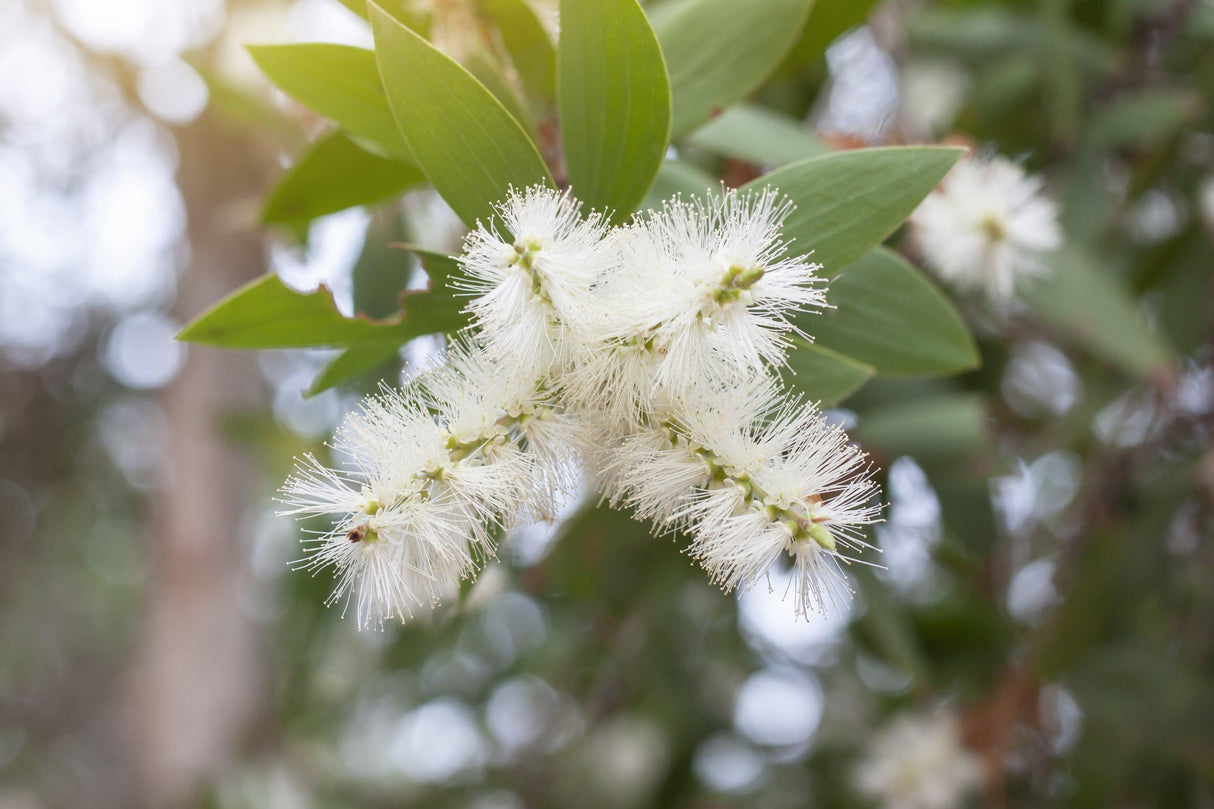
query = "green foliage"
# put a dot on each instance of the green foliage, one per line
(332, 175)
(678, 177)
(719, 51)
(352, 364)
(827, 20)
(339, 82)
(848, 202)
(465, 141)
(886, 314)
(929, 427)
(822, 375)
(1091, 307)
(757, 134)
(615, 132)
(266, 313)
(531, 50)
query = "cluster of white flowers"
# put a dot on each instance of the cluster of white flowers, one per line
(919, 762)
(645, 353)
(986, 226)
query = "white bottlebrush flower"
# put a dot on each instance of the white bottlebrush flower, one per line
(477, 395)
(432, 483)
(393, 548)
(646, 351)
(753, 478)
(530, 271)
(919, 762)
(987, 225)
(707, 287)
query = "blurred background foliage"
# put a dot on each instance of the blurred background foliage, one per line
(1048, 541)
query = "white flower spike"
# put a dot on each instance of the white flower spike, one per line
(752, 478)
(645, 352)
(707, 289)
(531, 273)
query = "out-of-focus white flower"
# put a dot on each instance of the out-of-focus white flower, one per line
(752, 476)
(918, 762)
(702, 290)
(931, 96)
(1205, 201)
(531, 274)
(986, 225)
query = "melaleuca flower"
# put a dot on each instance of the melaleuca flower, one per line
(438, 471)
(707, 287)
(477, 395)
(645, 352)
(531, 272)
(919, 762)
(753, 478)
(987, 225)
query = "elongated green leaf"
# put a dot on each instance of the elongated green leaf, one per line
(529, 46)
(356, 6)
(719, 51)
(407, 11)
(1094, 309)
(382, 273)
(339, 82)
(933, 426)
(848, 202)
(679, 177)
(486, 69)
(332, 175)
(827, 20)
(614, 100)
(823, 375)
(1142, 118)
(266, 313)
(352, 364)
(762, 136)
(440, 267)
(465, 141)
(888, 315)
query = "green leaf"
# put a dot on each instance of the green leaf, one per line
(848, 202)
(485, 68)
(1142, 118)
(357, 6)
(407, 11)
(678, 177)
(465, 141)
(530, 48)
(932, 426)
(382, 273)
(266, 313)
(440, 267)
(614, 100)
(339, 82)
(888, 315)
(1093, 308)
(352, 364)
(759, 135)
(827, 21)
(720, 51)
(822, 375)
(332, 175)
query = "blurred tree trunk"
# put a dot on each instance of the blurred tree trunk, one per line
(199, 677)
